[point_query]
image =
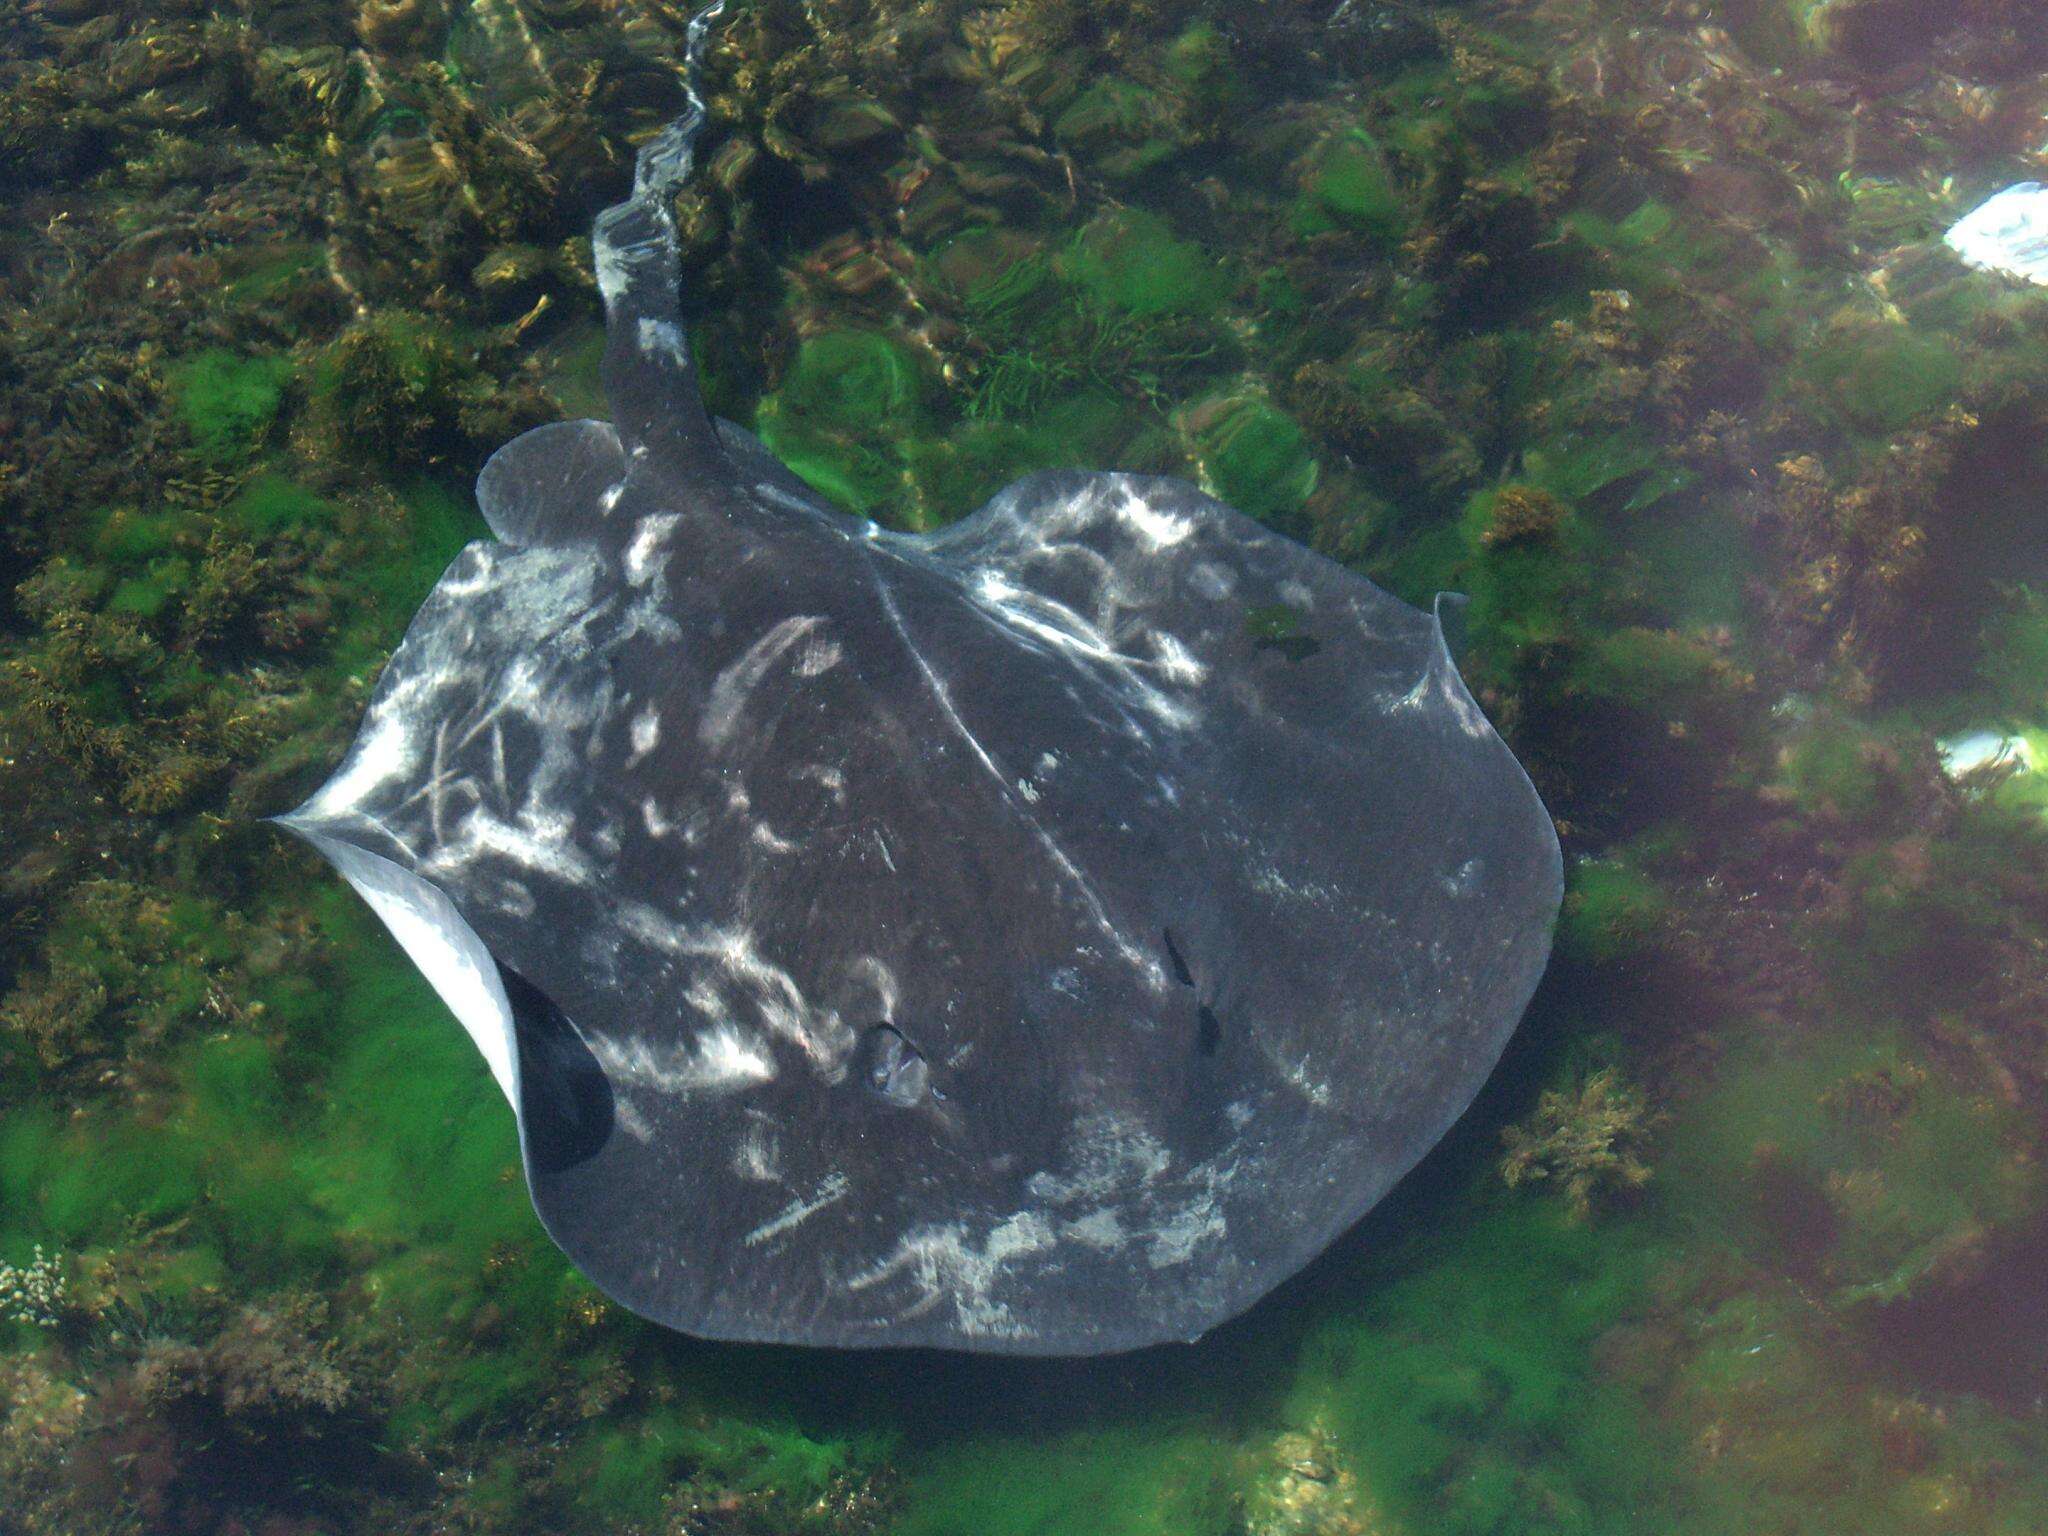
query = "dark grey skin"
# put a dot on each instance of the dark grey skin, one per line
(1041, 936)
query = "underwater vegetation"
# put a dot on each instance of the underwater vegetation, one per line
(1631, 323)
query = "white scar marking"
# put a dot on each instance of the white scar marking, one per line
(1175, 660)
(777, 1002)
(646, 733)
(833, 1188)
(730, 690)
(723, 1059)
(666, 338)
(648, 537)
(1061, 627)
(760, 1155)
(1159, 529)
(772, 840)
(944, 1266)
(1096, 910)
(498, 779)
(818, 657)
(382, 752)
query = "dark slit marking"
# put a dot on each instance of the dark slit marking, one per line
(1181, 973)
(1211, 1028)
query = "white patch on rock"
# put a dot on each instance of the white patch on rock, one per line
(2007, 233)
(1971, 750)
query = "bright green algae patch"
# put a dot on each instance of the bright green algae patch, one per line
(847, 402)
(229, 402)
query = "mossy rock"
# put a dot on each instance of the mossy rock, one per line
(1875, 34)
(842, 121)
(1611, 466)
(1347, 185)
(1120, 128)
(1902, 1165)
(1877, 378)
(1837, 771)
(842, 413)
(229, 401)
(271, 504)
(1252, 453)
(2013, 661)
(129, 537)
(1129, 261)
(1611, 909)
(392, 387)
(993, 270)
(510, 276)
(150, 595)
(1527, 569)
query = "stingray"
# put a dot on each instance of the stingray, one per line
(1043, 935)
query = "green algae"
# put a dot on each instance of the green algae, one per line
(1130, 261)
(1885, 1164)
(1463, 1390)
(273, 503)
(847, 400)
(1878, 379)
(1253, 454)
(1348, 185)
(1611, 909)
(1150, 1480)
(229, 402)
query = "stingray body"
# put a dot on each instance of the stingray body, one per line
(1039, 936)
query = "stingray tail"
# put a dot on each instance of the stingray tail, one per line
(648, 375)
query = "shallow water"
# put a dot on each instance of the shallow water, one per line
(1635, 324)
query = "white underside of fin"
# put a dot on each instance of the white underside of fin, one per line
(437, 940)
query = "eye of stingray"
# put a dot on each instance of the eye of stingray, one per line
(889, 1066)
